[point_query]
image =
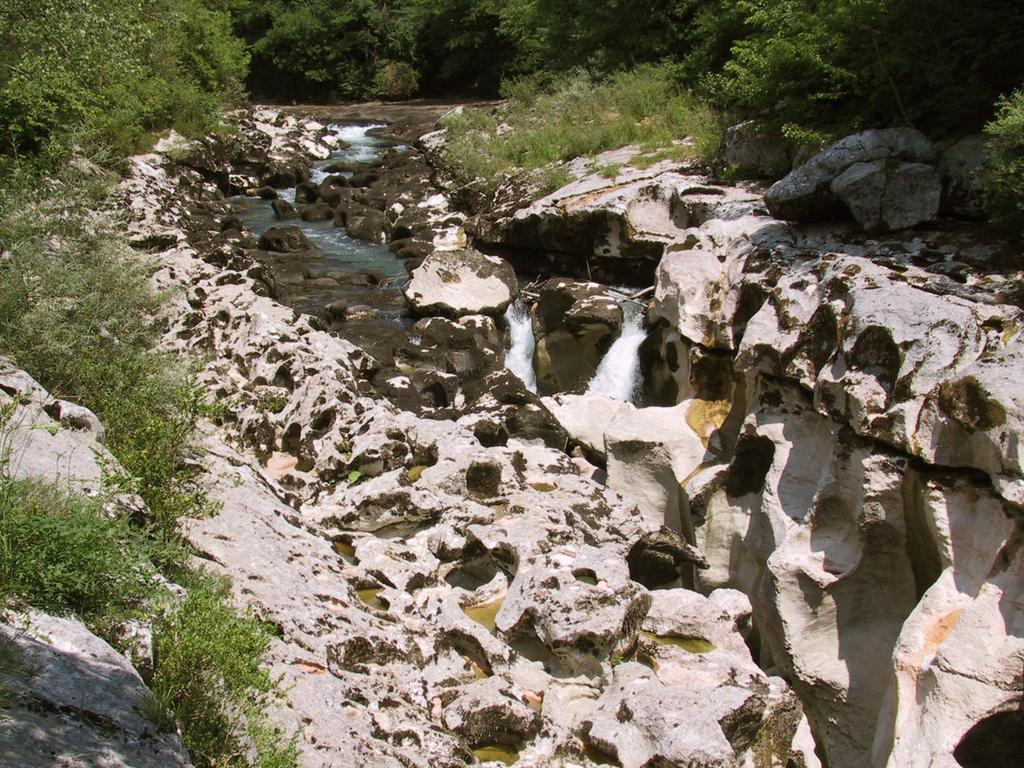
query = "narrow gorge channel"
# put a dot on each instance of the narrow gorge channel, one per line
(751, 500)
(724, 471)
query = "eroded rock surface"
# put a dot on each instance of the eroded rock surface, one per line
(831, 409)
(440, 587)
(836, 434)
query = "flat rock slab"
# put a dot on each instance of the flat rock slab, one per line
(457, 283)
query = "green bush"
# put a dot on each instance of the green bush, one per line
(63, 554)
(576, 116)
(108, 74)
(1003, 174)
(209, 678)
(396, 80)
(849, 64)
(77, 312)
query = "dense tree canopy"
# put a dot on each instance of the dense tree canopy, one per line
(815, 64)
(111, 72)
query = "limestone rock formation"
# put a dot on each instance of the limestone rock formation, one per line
(880, 177)
(439, 586)
(832, 411)
(463, 282)
(76, 702)
(835, 432)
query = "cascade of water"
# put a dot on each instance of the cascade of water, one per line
(618, 375)
(519, 356)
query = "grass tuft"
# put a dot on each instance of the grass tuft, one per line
(577, 116)
(210, 674)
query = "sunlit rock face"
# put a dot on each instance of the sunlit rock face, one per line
(836, 430)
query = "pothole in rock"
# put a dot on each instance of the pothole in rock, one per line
(473, 574)
(485, 614)
(585, 575)
(347, 551)
(497, 753)
(690, 644)
(371, 597)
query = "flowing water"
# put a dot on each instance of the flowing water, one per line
(340, 253)
(519, 357)
(618, 375)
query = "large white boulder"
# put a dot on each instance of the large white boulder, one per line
(76, 702)
(457, 283)
(880, 177)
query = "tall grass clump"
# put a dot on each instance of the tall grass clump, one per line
(575, 115)
(78, 313)
(62, 552)
(210, 680)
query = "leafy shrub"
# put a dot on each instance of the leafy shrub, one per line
(849, 64)
(63, 554)
(396, 80)
(77, 312)
(209, 679)
(1003, 174)
(577, 116)
(108, 74)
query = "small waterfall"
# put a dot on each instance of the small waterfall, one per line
(519, 356)
(618, 375)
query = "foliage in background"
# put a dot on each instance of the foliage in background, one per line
(576, 116)
(106, 74)
(396, 80)
(77, 312)
(1003, 174)
(312, 48)
(842, 65)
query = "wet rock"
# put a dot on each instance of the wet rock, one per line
(575, 323)
(284, 210)
(306, 192)
(283, 175)
(318, 211)
(231, 223)
(285, 240)
(370, 225)
(266, 193)
(457, 283)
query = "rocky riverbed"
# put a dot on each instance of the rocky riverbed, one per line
(791, 538)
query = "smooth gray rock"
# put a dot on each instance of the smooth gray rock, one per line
(885, 196)
(76, 702)
(806, 194)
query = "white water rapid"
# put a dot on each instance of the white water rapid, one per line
(618, 375)
(519, 356)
